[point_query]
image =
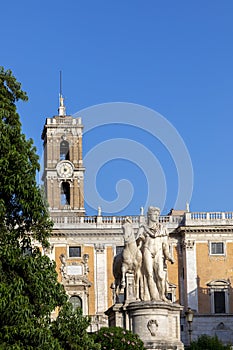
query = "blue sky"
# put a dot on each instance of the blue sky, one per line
(174, 57)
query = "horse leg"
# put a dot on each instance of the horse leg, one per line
(141, 284)
(137, 280)
(117, 293)
(123, 272)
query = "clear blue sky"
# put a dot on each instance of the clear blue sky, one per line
(175, 57)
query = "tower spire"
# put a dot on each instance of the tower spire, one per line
(62, 108)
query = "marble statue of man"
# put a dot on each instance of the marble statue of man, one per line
(155, 251)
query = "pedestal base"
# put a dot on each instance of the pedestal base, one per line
(157, 324)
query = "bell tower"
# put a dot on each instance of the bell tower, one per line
(63, 174)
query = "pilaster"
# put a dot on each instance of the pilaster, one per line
(189, 247)
(100, 278)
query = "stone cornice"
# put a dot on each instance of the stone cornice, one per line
(84, 233)
(204, 229)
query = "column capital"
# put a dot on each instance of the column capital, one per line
(188, 244)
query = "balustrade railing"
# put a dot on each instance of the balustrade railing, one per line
(112, 220)
(190, 218)
(60, 120)
(220, 218)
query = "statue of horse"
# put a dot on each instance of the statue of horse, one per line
(129, 260)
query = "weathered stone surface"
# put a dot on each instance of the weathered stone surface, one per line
(156, 323)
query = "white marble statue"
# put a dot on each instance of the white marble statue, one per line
(155, 252)
(63, 267)
(129, 260)
(146, 257)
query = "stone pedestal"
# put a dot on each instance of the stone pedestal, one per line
(116, 316)
(157, 324)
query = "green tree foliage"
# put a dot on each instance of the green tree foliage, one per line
(29, 290)
(22, 207)
(70, 327)
(117, 338)
(205, 342)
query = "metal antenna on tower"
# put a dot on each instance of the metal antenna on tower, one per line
(60, 83)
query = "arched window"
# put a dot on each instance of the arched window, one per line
(65, 193)
(64, 150)
(76, 302)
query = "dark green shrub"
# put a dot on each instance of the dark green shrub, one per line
(117, 338)
(205, 342)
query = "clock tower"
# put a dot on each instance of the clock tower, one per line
(63, 174)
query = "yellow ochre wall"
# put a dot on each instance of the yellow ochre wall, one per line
(173, 271)
(58, 252)
(209, 268)
(91, 277)
(110, 277)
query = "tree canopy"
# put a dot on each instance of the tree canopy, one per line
(29, 290)
(22, 208)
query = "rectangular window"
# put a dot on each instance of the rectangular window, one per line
(119, 249)
(75, 252)
(219, 302)
(217, 248)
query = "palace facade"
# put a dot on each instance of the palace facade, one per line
(83, 247)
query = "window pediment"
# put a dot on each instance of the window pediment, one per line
(218, 284)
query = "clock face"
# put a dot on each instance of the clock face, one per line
(65, 169)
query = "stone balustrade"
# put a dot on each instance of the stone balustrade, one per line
(110, 221)
(208, 218)
(171, 221)
(61, 120)
(97, 322)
